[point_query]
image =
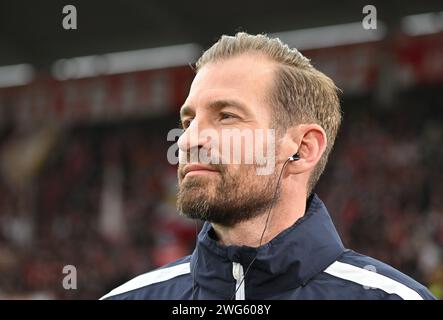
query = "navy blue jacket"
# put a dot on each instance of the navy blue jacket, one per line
(305, 261)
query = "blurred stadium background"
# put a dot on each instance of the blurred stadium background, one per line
(84, 116)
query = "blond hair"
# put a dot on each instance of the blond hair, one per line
(301, 93)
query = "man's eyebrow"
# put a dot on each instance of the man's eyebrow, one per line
(186, 110)
(217, 104)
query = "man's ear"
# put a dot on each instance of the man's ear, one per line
(311, 141)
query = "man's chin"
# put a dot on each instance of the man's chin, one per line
(194, 181)
(204, 191)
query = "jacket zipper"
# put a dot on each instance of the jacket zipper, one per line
(237, 272)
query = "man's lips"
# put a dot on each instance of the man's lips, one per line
(193, 169)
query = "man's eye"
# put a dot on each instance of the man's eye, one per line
(225, 115)
(186, 123)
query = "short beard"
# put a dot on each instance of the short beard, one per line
(226, 199)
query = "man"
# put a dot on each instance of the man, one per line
(266, 236)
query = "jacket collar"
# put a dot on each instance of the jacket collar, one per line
(288, 261)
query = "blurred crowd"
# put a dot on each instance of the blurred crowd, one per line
(103, 201)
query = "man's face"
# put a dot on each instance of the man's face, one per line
(225, 97)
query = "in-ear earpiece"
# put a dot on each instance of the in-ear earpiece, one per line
(294, 157)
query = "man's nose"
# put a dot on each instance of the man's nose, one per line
(192, 137)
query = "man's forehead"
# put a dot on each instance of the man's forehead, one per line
(246, 77)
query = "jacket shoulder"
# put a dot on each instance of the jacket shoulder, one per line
(160, 283)
(376, 279)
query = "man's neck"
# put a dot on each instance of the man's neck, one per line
(248, 233)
